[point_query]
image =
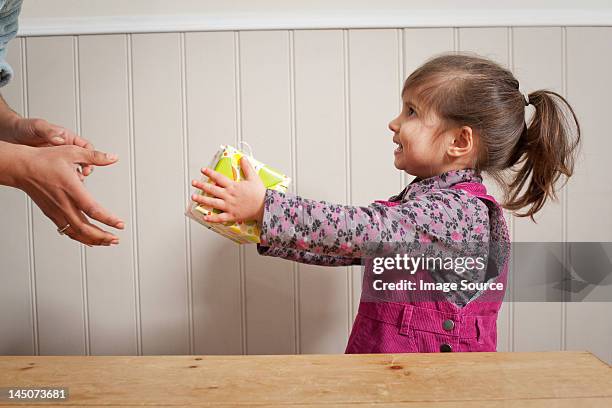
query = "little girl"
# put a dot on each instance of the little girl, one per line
(462, 115)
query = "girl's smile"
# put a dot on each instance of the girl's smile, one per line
(399, 147)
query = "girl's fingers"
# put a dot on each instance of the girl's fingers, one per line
(210, 189)
(223, 217)
(209, 202)
(217, 177)
(247, 169)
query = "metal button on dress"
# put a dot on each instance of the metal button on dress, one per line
(445, 348)
(448, 325)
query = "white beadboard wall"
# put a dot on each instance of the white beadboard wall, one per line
(301, 98)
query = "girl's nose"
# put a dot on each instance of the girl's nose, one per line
(394, 126)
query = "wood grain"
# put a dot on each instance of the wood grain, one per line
(539, 379)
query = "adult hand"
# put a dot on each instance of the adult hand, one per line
(49, 175)
(239, 200)
(40, 133)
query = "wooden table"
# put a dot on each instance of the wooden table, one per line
(548, 379)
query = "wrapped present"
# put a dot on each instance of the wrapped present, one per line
(227, 162)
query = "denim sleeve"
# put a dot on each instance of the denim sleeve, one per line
(9, 12)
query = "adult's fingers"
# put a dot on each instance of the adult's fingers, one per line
(83, 231)
(53, 134)
(87, 170)
(58, 135)
(84, 156)
(76, 140)
(48, 134)
(62, 211)
(86, 203)
(217, 177)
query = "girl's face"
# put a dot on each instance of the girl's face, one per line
(420, 148)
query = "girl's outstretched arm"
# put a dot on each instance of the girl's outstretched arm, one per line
(324, 229)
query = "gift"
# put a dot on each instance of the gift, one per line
(227, 162)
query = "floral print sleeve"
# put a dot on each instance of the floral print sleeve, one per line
(306, 257)
(335, 234)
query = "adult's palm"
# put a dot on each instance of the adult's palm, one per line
(50, 176)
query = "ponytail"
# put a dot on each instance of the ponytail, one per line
(546, 150)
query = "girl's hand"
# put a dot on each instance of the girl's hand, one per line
(239, 200)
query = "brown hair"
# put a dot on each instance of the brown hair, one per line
(468, 90)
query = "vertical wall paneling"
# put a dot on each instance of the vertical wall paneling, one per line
(187, 190)
(133, 197)
(58, 263)
(30, 205)
(538, 64)
(321, 166)
(16, 317)
(84, 281)
(267, 128)
(314, 103)
(160, 190)
(104, 121)
(589, 206)
(211, 122)
(239, 140)
(294, 185)
(373, 102)
(351, 273)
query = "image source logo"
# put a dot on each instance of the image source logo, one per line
(460, 272)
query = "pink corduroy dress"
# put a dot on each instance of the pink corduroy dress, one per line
(440, 325)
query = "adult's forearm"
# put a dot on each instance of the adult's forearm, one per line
(11, 163)
(8, 119)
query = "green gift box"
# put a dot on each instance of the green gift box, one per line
(227, 162)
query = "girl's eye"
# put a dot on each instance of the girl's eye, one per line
(410, 111)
